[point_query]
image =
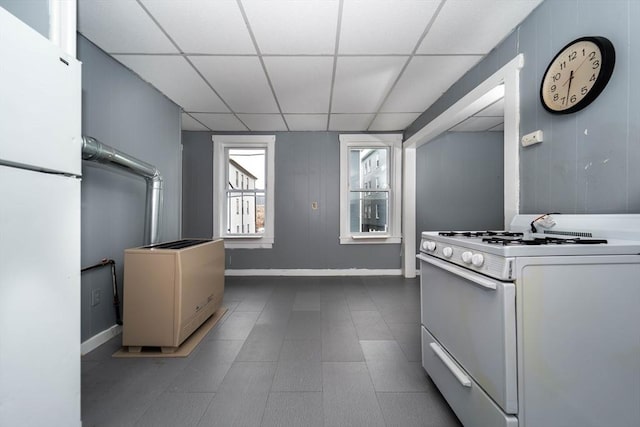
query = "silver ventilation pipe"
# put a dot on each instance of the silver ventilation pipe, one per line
(95, 151)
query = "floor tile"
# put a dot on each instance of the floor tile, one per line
(397, 376)
(388, 350)
(201, 376)
(248, 376)
(340, 343)
(293, 410)
(176, 409)
(408, 336)
(307, 301)
(263, 343)
(370, 325)
(300, 350)
(298, 375)
(416, 410)
(235, 409)
(304, 325)
(348, 395)
(237, 326)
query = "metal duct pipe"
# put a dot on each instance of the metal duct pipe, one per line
(95, 151)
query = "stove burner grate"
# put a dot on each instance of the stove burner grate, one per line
(479, 233)
(537, 241)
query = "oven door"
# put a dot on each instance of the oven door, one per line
(472, 317)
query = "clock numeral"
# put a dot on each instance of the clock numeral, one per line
(573, 98)
(563, 65)
(595, 64)
(592, 55)
(553, 88)
(573, 55)
(556, 77)
(593, 77)
(555, 97)
(584, 90)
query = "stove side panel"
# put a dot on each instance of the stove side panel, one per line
(578, 341)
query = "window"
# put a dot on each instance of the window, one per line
(251, 160)
(368, 214)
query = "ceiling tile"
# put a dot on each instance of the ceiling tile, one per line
(477, 124)
(302, 84)
(361, 83)
(307, 122)
(264, 122)
(384, 26)
(240, 81)
(393, 121)
(220, 122)
(173, 76)
(495, 109)
(293, 26)
(479, 25)
(121, 26)
(189, 123)
(203, 26)
(424, 81)
(358, 122)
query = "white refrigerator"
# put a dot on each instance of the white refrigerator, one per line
(40, 169)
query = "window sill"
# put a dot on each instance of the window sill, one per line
(247, 242)
(370, 240)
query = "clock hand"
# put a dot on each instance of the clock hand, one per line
(569, 88)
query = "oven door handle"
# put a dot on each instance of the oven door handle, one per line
(452, 268)
(451, 366)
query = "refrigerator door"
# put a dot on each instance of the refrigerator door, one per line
(39, 299)
(40, 101)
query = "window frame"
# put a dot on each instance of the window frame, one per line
(393, 143)
(221, 143)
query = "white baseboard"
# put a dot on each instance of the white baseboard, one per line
(99, 339)
(314, 272)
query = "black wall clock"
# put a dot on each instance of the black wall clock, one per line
(577, 75)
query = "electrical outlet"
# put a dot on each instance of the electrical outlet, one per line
(95, 297)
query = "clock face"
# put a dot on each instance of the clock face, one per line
(577, 75)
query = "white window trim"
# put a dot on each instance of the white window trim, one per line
(394, 143)
(220, 144)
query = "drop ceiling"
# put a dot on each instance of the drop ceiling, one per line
(300, 65)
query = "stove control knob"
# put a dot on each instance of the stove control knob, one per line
(447, 252)
(424, 245)
(466, 257)
(477, 260)
(431, 246)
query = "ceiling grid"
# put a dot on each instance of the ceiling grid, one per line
(326, 64)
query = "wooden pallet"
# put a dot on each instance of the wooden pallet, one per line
(183, 350)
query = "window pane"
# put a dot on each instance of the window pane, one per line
(368, 168)
(249, 220)
(245, 190)
(368, 211)
(246, 168)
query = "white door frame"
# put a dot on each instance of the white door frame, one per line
(504, 81)
(62, 25)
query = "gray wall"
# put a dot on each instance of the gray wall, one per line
(588, 161)
(459, 182)
(307, 169)
(121, 110)
(34, 13)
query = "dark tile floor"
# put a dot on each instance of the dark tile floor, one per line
(304, 351)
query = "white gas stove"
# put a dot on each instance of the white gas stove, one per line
(492, 252)
(532, 326)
